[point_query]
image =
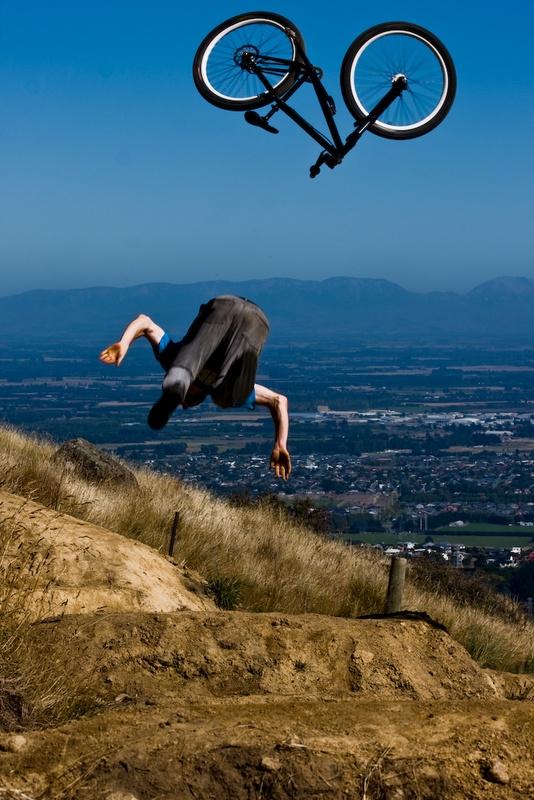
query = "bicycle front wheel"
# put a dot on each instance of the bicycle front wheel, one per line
(382, 54)
(221, 69)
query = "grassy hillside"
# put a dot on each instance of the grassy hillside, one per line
(256, 557)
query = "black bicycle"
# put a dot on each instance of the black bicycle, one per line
(397, 79)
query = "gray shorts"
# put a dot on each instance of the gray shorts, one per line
(221, 349)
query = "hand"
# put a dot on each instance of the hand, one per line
(114, 354)
(281, 462)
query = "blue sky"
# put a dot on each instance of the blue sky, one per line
(115, 171)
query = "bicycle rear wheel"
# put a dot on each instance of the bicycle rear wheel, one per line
(385, 52)
(219, 68)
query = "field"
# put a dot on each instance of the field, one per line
(487, 528)
(512, 540)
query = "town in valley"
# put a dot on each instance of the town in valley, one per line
(419, 449)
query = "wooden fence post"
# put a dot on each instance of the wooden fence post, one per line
(173, 533)
(397, 574)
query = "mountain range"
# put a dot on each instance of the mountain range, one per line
(344, 308)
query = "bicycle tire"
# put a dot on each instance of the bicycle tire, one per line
(217, 73)
(381, 53)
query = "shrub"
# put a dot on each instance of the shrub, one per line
(227, 592)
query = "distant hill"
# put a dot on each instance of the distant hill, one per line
(499, 288)
(336, 308)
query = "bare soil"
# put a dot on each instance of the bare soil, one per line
(190, 703)
(235, 706)
(77, 567)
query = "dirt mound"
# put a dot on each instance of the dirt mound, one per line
(240, 654)
(75, 567)
(216, 707)
(211, 705)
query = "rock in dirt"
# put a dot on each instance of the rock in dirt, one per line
(270, 764)
(123, 698)
(13, 744)
(496, 772)
(94, 464)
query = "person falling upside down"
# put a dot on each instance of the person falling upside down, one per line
(218, 356)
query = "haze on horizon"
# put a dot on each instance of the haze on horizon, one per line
(116, 172)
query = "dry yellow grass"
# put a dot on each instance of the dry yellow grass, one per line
(276, 563)
(34, 688)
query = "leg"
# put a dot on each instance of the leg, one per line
(205, 334)
(175, 387)
(177, 382)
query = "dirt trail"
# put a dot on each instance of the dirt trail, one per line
(286, 748)
(235, 706)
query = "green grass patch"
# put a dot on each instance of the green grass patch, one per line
(513, 540)
(487, 528)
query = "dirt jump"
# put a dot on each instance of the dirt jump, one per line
(190, 702)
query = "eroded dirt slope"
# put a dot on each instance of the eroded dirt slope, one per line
(76, 567)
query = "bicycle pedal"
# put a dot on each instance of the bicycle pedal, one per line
(253, 118)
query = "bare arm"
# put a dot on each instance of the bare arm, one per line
(277, 405)
(140, 326)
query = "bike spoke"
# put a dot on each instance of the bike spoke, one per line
(223, 71)
(421, 113)
(400, 54)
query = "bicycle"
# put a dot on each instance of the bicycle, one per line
(397, 79)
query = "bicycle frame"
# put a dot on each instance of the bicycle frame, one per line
(333, 150)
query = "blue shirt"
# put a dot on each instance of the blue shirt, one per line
(165, 352)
